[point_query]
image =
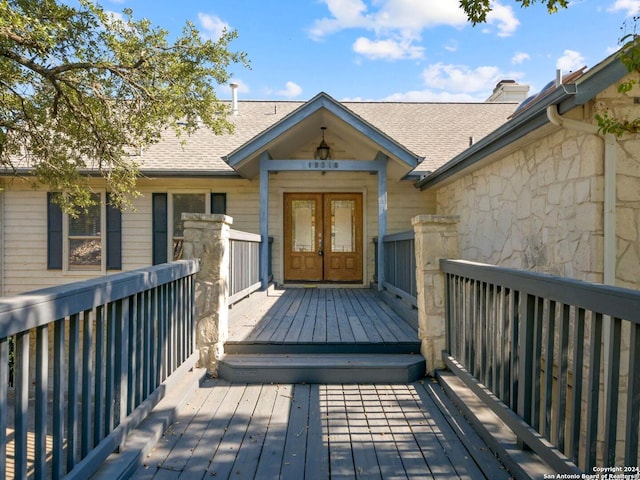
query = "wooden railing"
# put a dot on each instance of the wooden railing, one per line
(547, 353)
(244, 264)
(89, 359)
(400, 265)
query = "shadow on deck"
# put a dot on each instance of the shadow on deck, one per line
(320, 432)
(331, 412)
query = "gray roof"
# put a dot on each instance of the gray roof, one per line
(581, 88)
(436, 131)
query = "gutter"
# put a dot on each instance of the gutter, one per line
(610, 162)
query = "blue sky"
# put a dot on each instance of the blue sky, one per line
(403, 50)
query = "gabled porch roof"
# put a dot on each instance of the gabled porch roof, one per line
(296, 135)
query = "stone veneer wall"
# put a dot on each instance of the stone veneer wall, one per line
(541, 207)
(538, 209)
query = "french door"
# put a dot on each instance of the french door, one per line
(323, 237)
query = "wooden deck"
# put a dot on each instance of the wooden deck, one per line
(304, 316)
(320, 432)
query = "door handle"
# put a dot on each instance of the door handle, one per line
(320, 253)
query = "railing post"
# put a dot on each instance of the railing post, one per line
(206, 236)
(436, 237)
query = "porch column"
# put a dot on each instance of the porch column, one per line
(381, 160)
(206, 236)
(436, 238)
(264, 219)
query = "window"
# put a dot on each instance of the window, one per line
(90, 242)
(85, 238)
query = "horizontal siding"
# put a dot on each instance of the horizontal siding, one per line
(405, 202)
(25, 231)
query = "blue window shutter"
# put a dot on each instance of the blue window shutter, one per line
(219, 203)
(114, 236)
(54, 233)
(160, 238)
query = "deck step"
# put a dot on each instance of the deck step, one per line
(279, 348)
(322, 368)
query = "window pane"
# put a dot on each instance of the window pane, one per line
(303, 220)
(185, 203)
(87, 224)
(85, 253)
(343, 225)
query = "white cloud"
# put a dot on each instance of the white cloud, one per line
(570, 61)
(430, 96)
(451, 46)
(503, 18)
(461, 78)
(212, 26)
(291, 90)
(387, 49)
(406, 18)
(520, 58)
(631, 7)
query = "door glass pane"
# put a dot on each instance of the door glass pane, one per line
(343, 232)
(303, 220)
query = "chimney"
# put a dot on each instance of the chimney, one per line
(508, 91)
(234, 98)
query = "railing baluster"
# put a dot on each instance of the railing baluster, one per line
(537, 362)
(515, 361)
(495, 334)
(4, 383)
(154, 372)
(132, 337)
(482, 333)
(42, 387)
(525, 358)
(612, 381)
(576, 408)
(100, 379)
(162, 333)
(110, 384)
(123, 358)
(503, 347)
(87, 379)
(58, 399)
(593, 391)
(147, 358)
(449, 295)
(137, 367)
(21, 374)
(72, 391)
(561, 391)
(548, 369)
(633, 397)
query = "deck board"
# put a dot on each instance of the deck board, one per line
(270, 461)
(318, 316)
(312, 432)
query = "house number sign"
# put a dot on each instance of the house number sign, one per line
(323, 165)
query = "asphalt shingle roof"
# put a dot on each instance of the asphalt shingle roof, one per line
(435, 131)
